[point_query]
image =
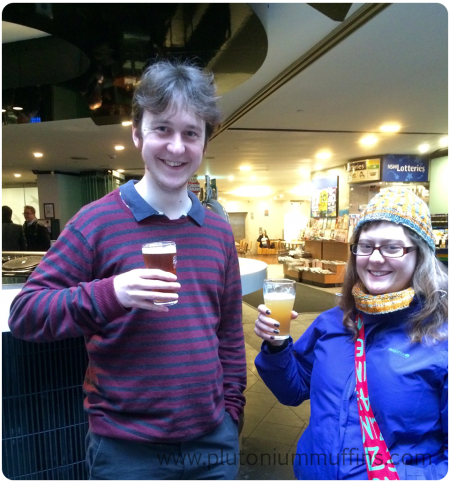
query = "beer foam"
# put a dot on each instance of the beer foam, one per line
(159, 250)
(278, 296)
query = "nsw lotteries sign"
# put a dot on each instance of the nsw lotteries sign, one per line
(402, 167)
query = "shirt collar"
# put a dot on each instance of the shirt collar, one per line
(141, 209)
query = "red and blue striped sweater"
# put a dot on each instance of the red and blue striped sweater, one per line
(152, 377)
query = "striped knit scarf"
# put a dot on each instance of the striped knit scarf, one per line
(381, 304)
(378, 459)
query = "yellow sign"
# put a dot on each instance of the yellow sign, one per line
(364, 170)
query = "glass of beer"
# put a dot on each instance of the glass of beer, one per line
(279, 296)
(161, 255)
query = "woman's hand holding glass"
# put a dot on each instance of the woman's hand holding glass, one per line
(267, 328)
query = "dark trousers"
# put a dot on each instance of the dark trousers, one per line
(214, 456)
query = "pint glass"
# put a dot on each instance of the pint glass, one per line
(279, 296)
(161, 255)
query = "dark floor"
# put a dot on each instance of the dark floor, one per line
(271, 430)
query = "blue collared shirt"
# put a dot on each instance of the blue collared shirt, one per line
(141, 209)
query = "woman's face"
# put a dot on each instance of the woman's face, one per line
(381, 275)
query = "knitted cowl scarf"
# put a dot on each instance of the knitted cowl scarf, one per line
(381, 304)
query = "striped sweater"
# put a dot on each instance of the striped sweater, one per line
(152, 377)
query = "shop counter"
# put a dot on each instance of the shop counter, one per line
(44, 424)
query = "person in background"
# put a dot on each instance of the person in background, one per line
(164, 387)
(263, 239)
(376, 367)
(13, 238)
(37, 236)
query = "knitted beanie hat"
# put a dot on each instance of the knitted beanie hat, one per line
(401, 206)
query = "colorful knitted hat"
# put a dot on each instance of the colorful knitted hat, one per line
(401, 206)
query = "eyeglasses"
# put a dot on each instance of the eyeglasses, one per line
(28, 213)
(388, 251)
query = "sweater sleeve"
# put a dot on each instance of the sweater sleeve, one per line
(231, 338)
(287, 373)
(61, 299)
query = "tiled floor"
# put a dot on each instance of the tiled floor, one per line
(271, 430)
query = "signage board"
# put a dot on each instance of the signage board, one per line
(324, 200)
(364, 170)
(439, 221)
(405, 167)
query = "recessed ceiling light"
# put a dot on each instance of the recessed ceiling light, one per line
(118, 147)
(127, 123)
(423, 148)
(443, 141)
(323, 155)
(17, 175)
(245, 168)
(231, 178)
(120, 170)
(390, 127)
(369, 140)
(17, 108)
(38, 155)
(3, 110)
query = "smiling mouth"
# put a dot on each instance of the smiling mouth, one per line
(378, 273)
(172, 164)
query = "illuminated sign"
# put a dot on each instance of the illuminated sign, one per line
(364, 170)
(402, 167)
(324, 200)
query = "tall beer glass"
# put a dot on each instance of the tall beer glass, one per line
(279, 297)
(161, 255)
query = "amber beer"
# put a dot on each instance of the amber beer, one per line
(163, 256)
(279, 297)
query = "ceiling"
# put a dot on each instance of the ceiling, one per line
(321, 85)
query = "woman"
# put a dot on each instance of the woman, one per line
(375, 368)
(263, 240)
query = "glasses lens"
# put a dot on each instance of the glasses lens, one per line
(392, 251)
(362, 249)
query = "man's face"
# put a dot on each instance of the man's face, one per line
(172, 147)
(28, 215)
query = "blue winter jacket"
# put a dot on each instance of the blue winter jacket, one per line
(407, 386)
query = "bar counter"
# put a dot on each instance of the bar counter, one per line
(44, 424)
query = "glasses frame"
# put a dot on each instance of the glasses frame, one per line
(405, 251)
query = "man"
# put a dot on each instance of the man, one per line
(38, 239)
(13, 238)
(164, 384)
